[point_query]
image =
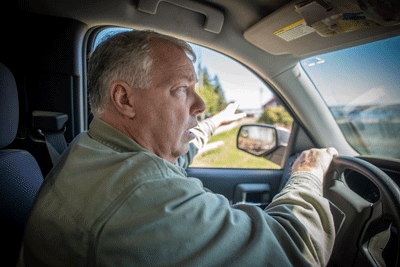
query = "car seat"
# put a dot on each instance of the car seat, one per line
(21, 176)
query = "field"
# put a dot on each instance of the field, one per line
(228, 156)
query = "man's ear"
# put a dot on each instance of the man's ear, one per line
(122, 99)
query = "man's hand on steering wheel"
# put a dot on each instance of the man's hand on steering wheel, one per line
(316, 161)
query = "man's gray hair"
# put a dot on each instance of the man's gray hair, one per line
(124, 57)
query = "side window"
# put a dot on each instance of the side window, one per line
(222, 81)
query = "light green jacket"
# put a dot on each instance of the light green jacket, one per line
(110, 202)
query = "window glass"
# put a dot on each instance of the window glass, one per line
(221, 81)
(360, 85)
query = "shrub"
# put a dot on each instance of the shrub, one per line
(276, 115)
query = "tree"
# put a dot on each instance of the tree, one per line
(211, 92)
(221, 102)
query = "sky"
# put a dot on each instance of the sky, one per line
(361, 75)
(239, 84)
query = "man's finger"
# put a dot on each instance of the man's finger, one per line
(332, 151)
(240, 116)
(235, 104)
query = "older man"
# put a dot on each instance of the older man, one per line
(119, 196)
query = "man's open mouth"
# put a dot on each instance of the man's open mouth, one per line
(190, 134)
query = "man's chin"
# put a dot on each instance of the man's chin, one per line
(182, 151)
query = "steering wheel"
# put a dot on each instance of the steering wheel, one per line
(366, 228)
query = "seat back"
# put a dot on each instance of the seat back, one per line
(20, 175)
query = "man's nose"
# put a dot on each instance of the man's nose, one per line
(198, 106)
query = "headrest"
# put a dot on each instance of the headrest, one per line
(8, 107)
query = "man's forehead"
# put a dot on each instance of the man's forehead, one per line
(172, 64)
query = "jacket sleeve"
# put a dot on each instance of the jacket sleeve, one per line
(306, 216)
(203, 131)
(179, 224)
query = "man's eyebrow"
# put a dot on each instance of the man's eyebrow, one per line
(188, 78)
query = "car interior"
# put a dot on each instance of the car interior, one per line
(44, 105)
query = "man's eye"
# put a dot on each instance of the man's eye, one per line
(183, 89)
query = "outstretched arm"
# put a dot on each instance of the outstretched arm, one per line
(227, 115)
(206, 129)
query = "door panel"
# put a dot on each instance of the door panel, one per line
(229, 182)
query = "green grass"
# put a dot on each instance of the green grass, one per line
(228, 156)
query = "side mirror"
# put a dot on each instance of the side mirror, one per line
(263, 140)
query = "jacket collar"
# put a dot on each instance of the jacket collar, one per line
(107, 135)
(104, 133)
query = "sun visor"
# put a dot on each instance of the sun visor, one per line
(327, 19)
(382, 12)
(302, 28)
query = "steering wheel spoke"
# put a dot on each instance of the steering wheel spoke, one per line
(366, 228)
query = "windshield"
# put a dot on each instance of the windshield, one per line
(360, 85)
